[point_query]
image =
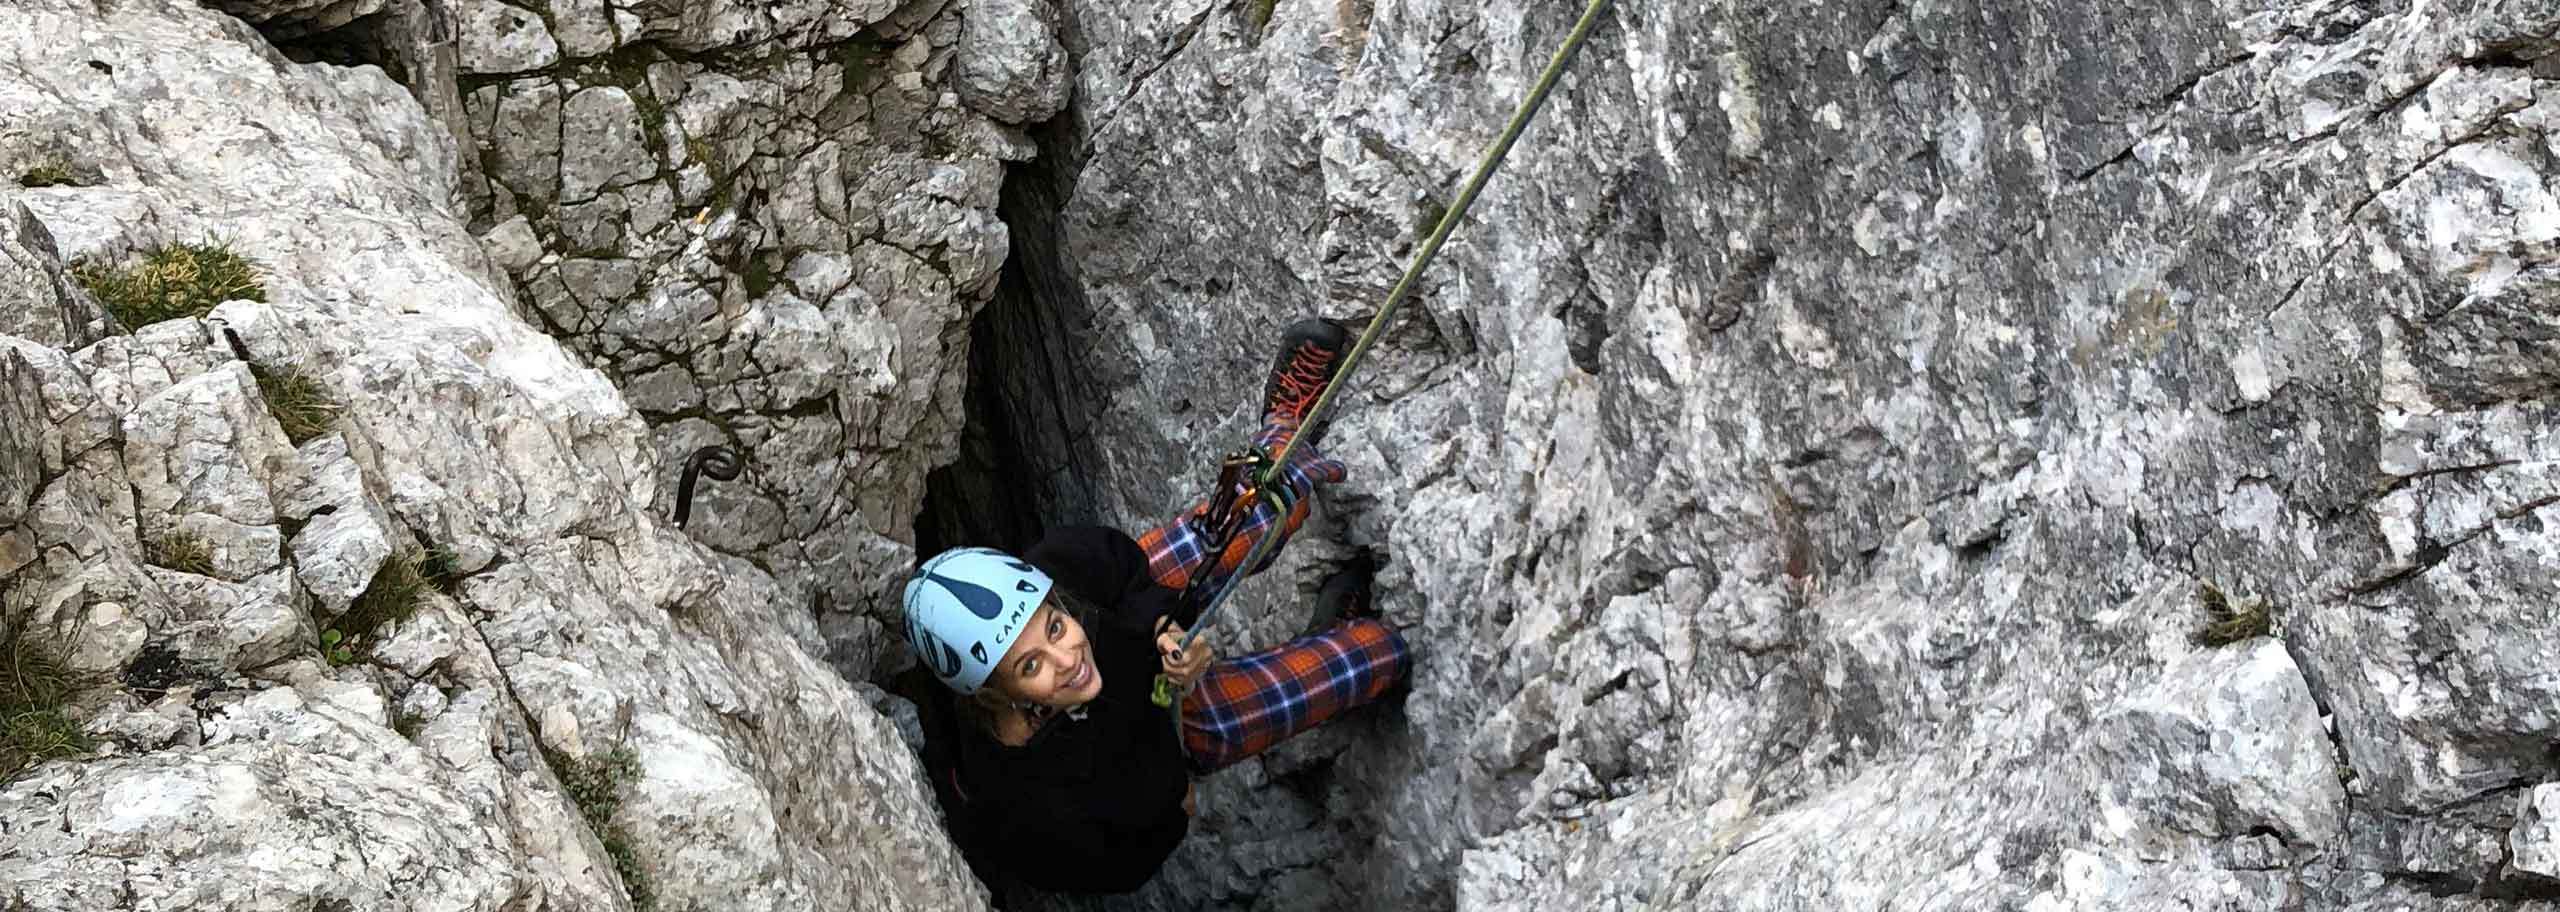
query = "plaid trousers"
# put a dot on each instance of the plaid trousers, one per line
(1243, 706)
(1177, 547)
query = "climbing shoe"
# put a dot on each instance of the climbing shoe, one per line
(1346, 595)
(1311, 350)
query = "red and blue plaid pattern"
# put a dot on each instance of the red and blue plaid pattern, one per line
(1243, 706)
(1176, 549)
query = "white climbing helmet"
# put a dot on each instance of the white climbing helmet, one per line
(964, 609)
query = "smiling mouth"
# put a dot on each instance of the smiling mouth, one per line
(1084, 674)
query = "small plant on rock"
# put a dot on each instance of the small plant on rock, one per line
(595, 785)
(441, 568)
(36, 687)
(172, 282)
(2226, 623)
(395, 593)
(300, 404)
(334, 647)
(185, 552)
(48, 173)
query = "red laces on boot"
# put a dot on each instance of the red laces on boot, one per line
(1303, 381)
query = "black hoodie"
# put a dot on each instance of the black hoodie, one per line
(1090, 805)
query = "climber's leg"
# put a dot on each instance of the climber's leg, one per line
(1179, 548)
(1243, 706)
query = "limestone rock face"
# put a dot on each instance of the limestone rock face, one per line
(1803, 472)
(39, 302)
(2535, 841)
(447, 758)
(1809, 478)
(771, 224)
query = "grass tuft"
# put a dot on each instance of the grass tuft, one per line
(300, 404)
(36, 686)
(185, 552)
(595, 785)
(398, 588)
(2226, 623)
(48, 174)
(173, 282)
(441, 568)
(1259, 13)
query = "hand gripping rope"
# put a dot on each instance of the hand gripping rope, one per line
(1266, 484)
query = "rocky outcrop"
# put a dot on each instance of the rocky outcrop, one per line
(1804, 472)
(1857, 455)
(771, 225)
(571, 705)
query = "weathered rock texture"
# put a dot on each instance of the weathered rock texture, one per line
(1803, 476)
(241, 769)
(1802, 472)
(772, 225)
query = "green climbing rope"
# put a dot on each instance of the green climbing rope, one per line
(1270, 485)
(1448, 223)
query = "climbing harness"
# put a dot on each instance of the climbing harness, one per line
(1265, 482)
(721, 463)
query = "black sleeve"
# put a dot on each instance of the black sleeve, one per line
(1106, 567)
(1060, 850)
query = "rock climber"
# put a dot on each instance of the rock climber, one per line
(1054, 766)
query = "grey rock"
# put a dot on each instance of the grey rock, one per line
(298, 17)
(2534, 841)
(522, 135)
(2227, 744)
(209, 622)
(1799, 470)
(1011, 65)
(416, 774)
(773, 229)
(500, 38)
(610, 149)
(205, 446)
(1797, 477)
(336, 555)
(108, 638)
(586, 28)
(38, 301)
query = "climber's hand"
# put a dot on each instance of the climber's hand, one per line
(1190, 808)
(1183, 668)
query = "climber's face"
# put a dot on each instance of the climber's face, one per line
(1050, 663)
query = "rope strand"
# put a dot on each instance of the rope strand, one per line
(1314, 417)
(1448, 222)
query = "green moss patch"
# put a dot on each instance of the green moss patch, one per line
(173, 282)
